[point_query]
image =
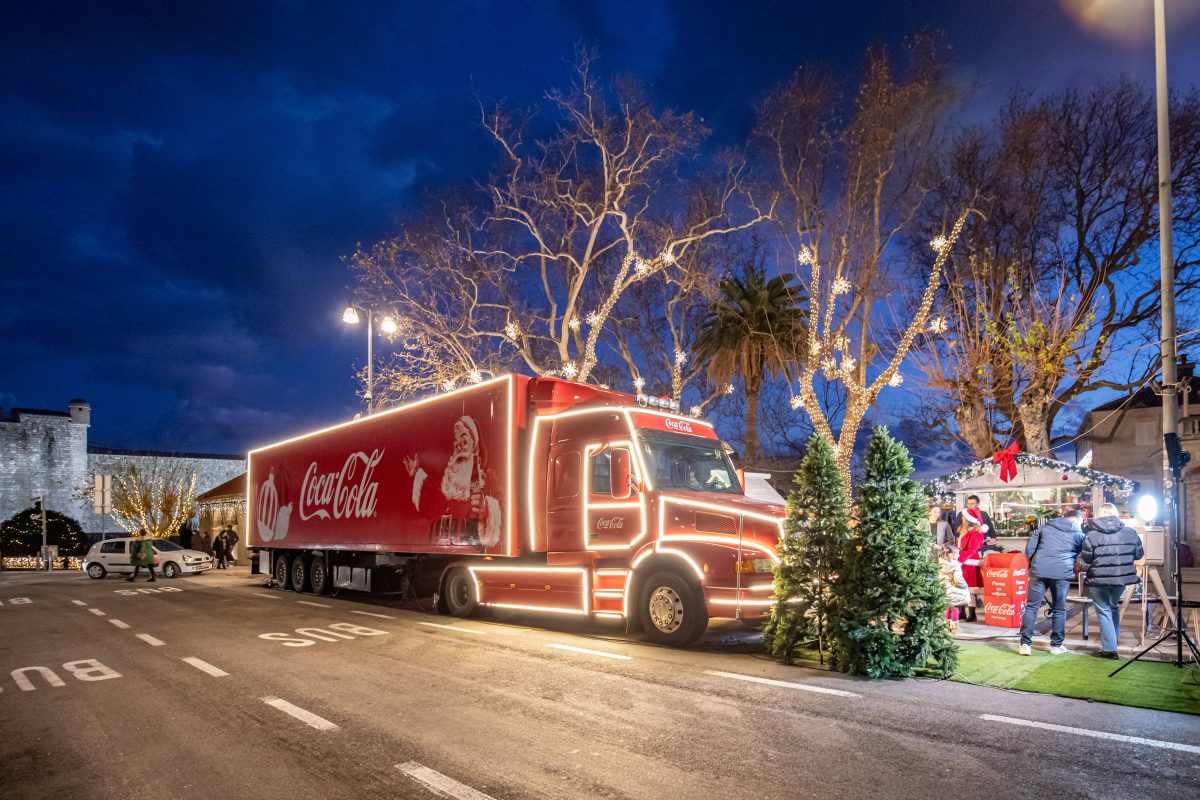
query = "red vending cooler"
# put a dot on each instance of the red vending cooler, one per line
(1005, 587)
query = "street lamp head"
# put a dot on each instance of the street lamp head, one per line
(388, 325)
(350, 315)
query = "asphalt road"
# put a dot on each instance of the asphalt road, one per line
(214, 687)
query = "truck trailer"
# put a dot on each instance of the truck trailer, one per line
(536, 494)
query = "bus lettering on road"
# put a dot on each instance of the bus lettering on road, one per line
(333, 632)
(87, 670)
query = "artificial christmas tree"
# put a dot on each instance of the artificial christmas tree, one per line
(810, 551)
(888, 615)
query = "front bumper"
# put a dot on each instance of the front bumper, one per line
(197, 567)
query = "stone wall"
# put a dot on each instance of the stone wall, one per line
(46, 452)
(41, 452)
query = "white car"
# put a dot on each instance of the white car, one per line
(170, 559)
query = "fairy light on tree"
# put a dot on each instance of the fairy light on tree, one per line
(152, 495)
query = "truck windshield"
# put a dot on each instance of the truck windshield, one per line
(684, 462)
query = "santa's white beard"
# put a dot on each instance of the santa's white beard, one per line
(456, 480)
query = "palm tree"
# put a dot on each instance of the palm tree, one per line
(754, 331)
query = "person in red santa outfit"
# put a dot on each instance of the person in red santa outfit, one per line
(971, 532)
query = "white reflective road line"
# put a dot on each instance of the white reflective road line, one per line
(204, 666)
(372, 614)
(587, 652)
(150, 640)
(79, 602)
(454, 628)
(97, 612)
(1116, 737)
(311, 603)
(264, 594)
(439, 784)
(122, 625)
(307, 717)
(804, 687)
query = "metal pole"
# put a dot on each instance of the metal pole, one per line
(1166, 259)
(45, 543)
(370, 359)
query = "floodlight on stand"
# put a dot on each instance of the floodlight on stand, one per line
(350, 315)
(1147, 508)
(388, 325)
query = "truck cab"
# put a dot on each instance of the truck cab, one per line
(638, 513)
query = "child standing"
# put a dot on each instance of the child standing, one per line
(957, 591)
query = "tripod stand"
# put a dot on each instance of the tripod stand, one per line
(1177, 460)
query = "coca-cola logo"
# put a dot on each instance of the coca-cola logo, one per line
(1000, 609)
(1019, 572)
(683, 426)
(610, 523)
(995, 573)
(348, 493)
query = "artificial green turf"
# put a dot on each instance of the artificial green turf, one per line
(1145, 684)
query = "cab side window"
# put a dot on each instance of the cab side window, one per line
(600, 480)
(566, 475)
(112, 547)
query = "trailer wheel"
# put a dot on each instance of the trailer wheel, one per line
(671, 609)
(282, 570)
(318, 576)
(299, 573)
(458, 592)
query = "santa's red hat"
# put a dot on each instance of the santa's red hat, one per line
(975, 517)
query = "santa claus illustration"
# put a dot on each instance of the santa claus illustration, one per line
(463, 509)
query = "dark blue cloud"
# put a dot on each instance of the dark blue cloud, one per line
(179, 182)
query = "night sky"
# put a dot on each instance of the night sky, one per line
(180, 181)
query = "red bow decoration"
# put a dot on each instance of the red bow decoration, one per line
(1007, 459)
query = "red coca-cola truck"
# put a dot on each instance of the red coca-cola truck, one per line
(524, 493)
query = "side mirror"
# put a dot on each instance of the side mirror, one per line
(622, 481)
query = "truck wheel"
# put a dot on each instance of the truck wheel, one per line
(318, 576)
(282, 570)
(299, 573)
(671, 610)
(459, 593)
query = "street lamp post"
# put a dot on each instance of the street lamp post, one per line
(1166, 262)
(387, 325)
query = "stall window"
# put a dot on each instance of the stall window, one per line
(566, 475)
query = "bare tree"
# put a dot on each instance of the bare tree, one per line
(154, 495)
(1056, 289)
(851, 191)
(566, 226)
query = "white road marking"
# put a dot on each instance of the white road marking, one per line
(79, 602)
(264, 594)
(439, 784)
(587, 652)
(123, 626)
(804, 687)
(454, 628)
(310, 603)
(204, 666)
(97, 612)
(307, 717)
(372, 614)
(1116, 737)
(150, 640)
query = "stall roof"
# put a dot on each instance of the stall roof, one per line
(1122, 486)
(234, 488)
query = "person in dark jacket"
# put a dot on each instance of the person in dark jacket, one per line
(1109, 550)
(972, 506)
(1051, 551)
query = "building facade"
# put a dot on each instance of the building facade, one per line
(46, 452)
(1124, 437)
